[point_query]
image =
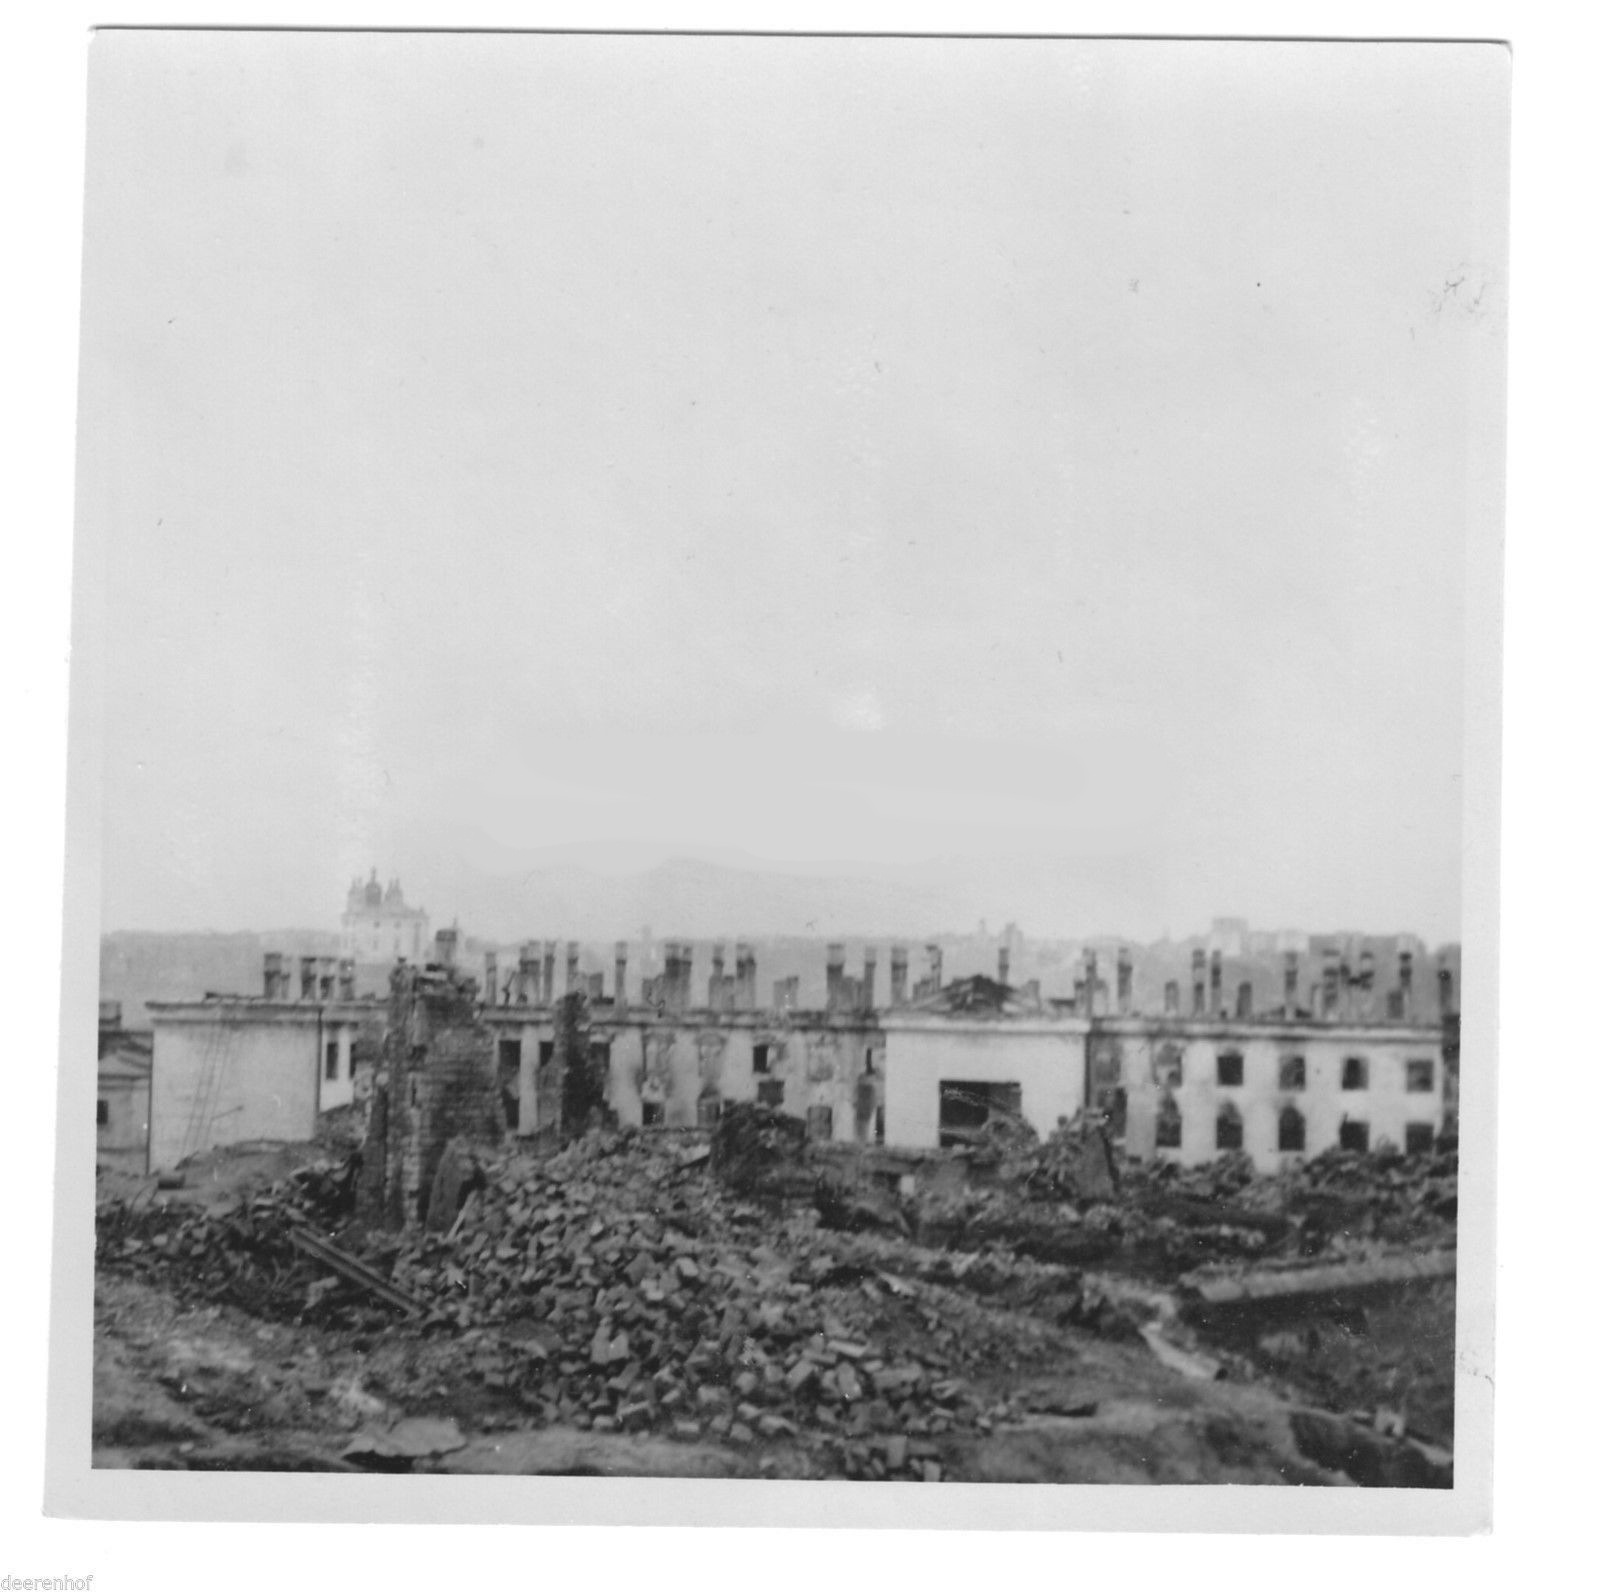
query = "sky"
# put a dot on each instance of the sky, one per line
(1048, 470)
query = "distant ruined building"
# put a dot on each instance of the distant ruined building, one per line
(378, 926)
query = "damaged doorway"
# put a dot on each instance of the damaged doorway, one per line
(967, 1107)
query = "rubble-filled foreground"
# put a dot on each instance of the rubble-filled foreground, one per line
(654, 1304)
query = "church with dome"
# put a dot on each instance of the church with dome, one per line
(378, 926)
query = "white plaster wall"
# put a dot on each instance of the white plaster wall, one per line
(261, 1081)
(1049, 1068)
(1386, 1106)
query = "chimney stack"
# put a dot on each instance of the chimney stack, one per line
(1247, 999)
(1005, 964)
(1197, 971)
(744, 974)
(547, 994)
(1330, 982)
(936, 964)
(1124, 981)
(272, 975)
(1291, 983)
(1405, 984)
(898, 960)
(835, 972)
(347, 978)
(1091, 981)
(572, 966)
(621, 993)
(528, 973)
(1447, 993)
(1369, 969)
(869, 977)
(491, 979)
(308, 978)
(1216, 984)
(1171, 997)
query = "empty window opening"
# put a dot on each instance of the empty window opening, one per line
(709, 1110)
(1169, 1066)
(655, 1113)
(1419, 1139)
(508, 1054)
(547, 1052)
(1230, 1068)
(1354, 1076)
(819, 1122)
(600, 1057)
(869, 1063)
(1353, 1135)
(761, 1058)
(1291, 1130)
(330, 1060)
(770, 1093)
(1230, 1129)
(1169, 1125)
(1291, 1073)
(965, 1108)
(102, 1111)
(1419, 1078)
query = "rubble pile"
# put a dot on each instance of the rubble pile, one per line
(245, 1255)
(627, 1291)
(748, 1289)
(1074, 1199)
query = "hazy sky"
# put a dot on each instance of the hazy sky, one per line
(1016, 460)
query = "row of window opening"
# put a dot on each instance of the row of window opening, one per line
(1354, 1135)
(1354, 1074)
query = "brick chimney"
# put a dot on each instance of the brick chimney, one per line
(1216, 984)
(869, 977)
(272, 975)
(1291, 983)
(308, 978)
(936, 964)
(1247, 998)
(548, 982)
(347, 978)
(528, 973)
(835, 973)
(621, 993)
(1197, 974)
(1005, 964)
(899, 960)
(1124, 981)
(572, 966)
(1091, 981)
(1405, 984)
(1171, 997)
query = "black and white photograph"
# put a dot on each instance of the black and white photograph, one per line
(784, 754)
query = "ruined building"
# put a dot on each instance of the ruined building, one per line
(1338, 1051)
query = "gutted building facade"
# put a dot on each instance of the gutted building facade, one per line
(1334, 1056)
